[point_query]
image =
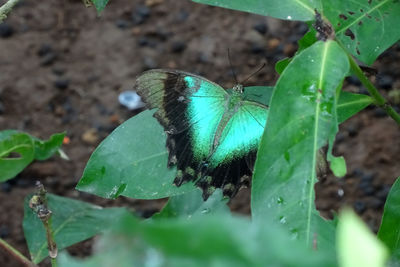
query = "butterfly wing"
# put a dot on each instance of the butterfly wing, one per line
(173, 92)
(232, 162)
(189, 108)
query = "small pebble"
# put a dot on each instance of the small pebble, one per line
(122, 24)
(130, 100)
(384, 81)
(367, 177)
(90, 136)
(178, 46)
(261, 28)
(383, 192)
(6, 187)
(140, 14)
(257, 49)
(182, 15)
(61, 83)
(353, 80)
(379, 113)
(44, 49)
(352, 130)
(376, 203)
(359, 207)
(6, 30)
(367, 188)
(4, 231)
(48, 59)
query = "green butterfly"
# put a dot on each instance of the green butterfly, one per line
(212, 133)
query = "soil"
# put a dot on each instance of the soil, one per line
(62, 68)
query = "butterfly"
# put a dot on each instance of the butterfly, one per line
(212, 133)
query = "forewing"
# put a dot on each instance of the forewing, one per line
(172, 92)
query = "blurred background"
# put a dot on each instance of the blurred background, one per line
(62, 68)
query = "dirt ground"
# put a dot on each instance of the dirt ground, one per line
(62, 68)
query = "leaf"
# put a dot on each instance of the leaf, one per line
(302, 118)
(192, 204)
(16, 152)
(215, 240)
(389, 232)
(281, 65)
(306, 41)
(260, 94)
(349, 104)
(100, 5)
(364, 28)
(285, 9)
(132, 161)
(356, 244)
(45, 149)
(72, 221)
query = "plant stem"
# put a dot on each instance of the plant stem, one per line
(12, 251)
(6, 8)
(380, 101)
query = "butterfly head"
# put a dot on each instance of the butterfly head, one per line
(238, 88)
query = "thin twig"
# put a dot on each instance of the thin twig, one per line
(17, 255)
(38, 203)
(380, 101)
(6, 8)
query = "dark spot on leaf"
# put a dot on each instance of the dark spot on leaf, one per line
(369, 2)
(103, 170)
(351, 12)
(350, 34)
(377, 19)
(14, 155)
(361, 10)
(368, 16)
(360, 22)
(339, 24)
(342, 16)
(358, 51)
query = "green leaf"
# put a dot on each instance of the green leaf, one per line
(16, 152)
(45, 149)
(285, 9)
(302, 118)
(357, 245)
(349, 104)
(192, 204)
(365, 28)
(281, 65)
(389, 232)
(100, 5)
(215, 240)
(261, 94)
(306, 41)
(132, 161)
(72, 221)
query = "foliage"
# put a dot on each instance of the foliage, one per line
(18, 150)
(305, 108)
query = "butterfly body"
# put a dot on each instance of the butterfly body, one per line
(212, 134)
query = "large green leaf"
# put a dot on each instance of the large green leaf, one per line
(132, 161)
(16, 152)
(192, 204)
(389, 232)
(365, 28)
(357, 245)
(302, 118)
(349, 104)
(284, 9)
(72, 221)
(215, 240)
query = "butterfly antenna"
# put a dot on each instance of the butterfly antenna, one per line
(254, 73)
(233, 70)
